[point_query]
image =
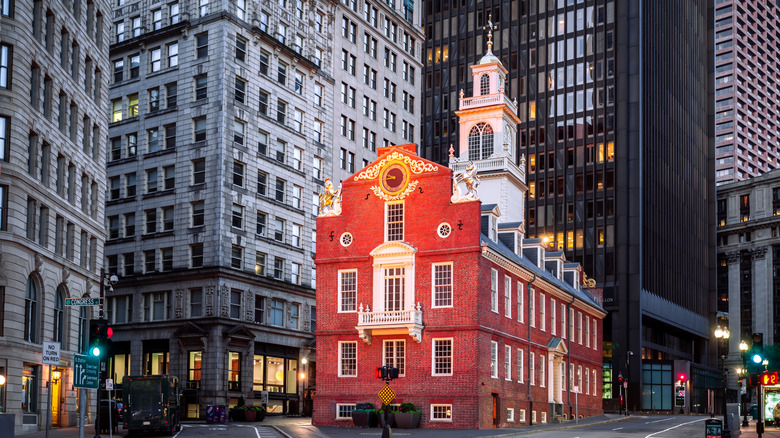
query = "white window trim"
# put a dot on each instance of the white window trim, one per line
(542, 372)
(542, 313)
(338, 405)
(594, 334)
(384, 351)
(433, 356)
(522, 416)
(393, 255)
(338, 364)
(441, 420)
(494, 290)
(433, 285)
(338, 310)
(520, 302)
(508, 362)
(531, 370)
(520, 365)
(532, 307)
(553, 316)
(403, 221)
(494, 359)
(510, 415)
(508, 296)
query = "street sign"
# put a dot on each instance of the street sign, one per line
(86, 371)
(386, 394)
(51, 353)
(679, 396)
(109, 384)
(83, 301)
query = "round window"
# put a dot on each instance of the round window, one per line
(346, 239)
(444, 229)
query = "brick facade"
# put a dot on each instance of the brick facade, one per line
(470, 392)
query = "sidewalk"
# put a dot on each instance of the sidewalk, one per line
(750, 431)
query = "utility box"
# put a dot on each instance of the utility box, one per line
(713, 428)
(7, 425)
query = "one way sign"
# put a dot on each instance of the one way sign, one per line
(86, 371)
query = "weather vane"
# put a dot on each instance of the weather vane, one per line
(490, 27)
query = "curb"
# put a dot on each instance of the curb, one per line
(520, 431)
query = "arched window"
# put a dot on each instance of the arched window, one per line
(480, 141)
(31, 311)
(484, 85)
(59, 314)
(83, 333)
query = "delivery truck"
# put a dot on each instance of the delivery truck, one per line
(151, 403)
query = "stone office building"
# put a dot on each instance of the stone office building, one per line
(749, 261)
(53, 90)
(219, 134)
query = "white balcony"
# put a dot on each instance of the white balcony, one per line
(390, 323)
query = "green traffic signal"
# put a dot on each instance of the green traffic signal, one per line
(95, 351)
(99, 334)
(757, 358)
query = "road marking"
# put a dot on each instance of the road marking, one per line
(617, 428)
(674, 427)
(659, 421)
(257, 432)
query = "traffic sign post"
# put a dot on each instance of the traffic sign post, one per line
(386, 394)
(50, 356)
(86, 371)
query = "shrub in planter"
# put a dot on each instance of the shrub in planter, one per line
(238, 413)
(365, 415)
(250, 414)
(407, 417)
(259, 412)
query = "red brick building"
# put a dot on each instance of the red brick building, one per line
(417, 270)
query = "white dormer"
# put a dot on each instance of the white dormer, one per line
(490, 215)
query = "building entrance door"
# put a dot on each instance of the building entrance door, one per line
(495, 411)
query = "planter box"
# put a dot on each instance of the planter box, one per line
(237, 414)
(250, 414)
(407, 420)
(365, 419)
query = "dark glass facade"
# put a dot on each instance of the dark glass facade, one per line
(616, 102)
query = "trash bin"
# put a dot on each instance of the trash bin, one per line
(713, 428)
(754, 411)
(215, 414)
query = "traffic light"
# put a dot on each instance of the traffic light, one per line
(682, 378)
(99, 334)
(757, 348)
(381, 373)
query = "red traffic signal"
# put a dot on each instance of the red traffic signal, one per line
(682, 377)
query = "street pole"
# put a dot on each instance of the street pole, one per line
(48, 400)
(82, 408)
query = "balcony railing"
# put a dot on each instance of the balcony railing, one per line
(390, 322)
(490, 99)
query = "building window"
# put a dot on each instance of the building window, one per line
(295, 313)
(6, 58)
(31, 311)
(494, 359)
(276, 313)
(236, 256)
(196, 255)
(59, 316)
(494, 290)
(199, 124)
(441, 413)
(442, 284)
(395, 354)
(237, 216)
(235, 303)
(201, 87)
(348, 291)
(520, 365)
(348, 359)
(442, 357)
(155, 306)
(394, 222)
(199, 171)
(480, 141)
(240, 49)
(259, 309)
(234, 369)
(279, 268)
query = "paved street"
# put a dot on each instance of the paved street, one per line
(602, 426)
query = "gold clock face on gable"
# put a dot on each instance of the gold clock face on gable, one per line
(394, 178)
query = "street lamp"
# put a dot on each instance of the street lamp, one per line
(722, 335)
(743, 348)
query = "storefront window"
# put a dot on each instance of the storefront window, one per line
(257, 374)
(274, 374)
(234, 371)
(194, 369)
(156, 363)
(29, 385)
(121, 365)
(292, 376)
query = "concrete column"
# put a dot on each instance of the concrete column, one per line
(762, 284)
